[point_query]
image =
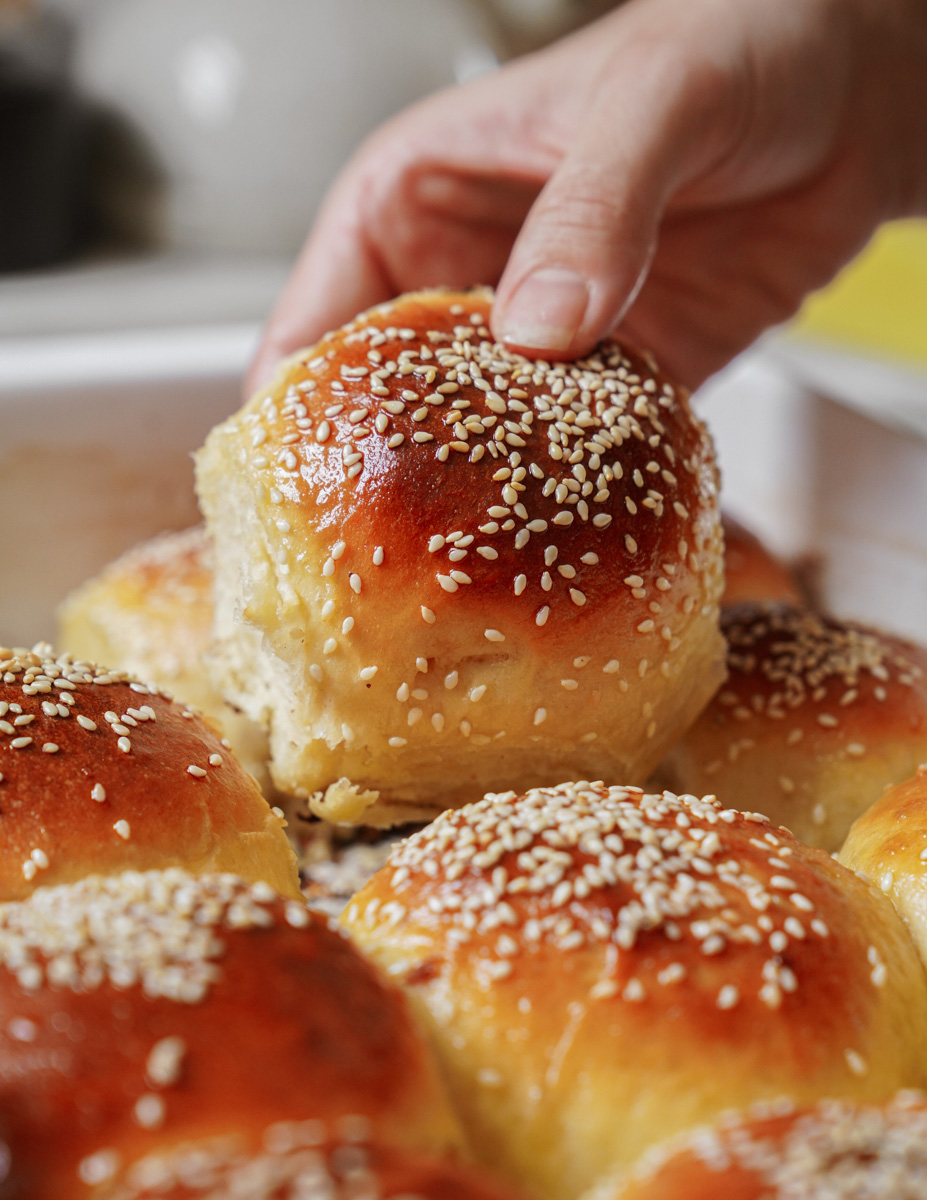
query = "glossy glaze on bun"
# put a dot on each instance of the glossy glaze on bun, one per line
(834, 1151)
(443, 567)
(100, 773)
(600, 969)
(888, 845)
(150, 613)
(817, 716)
(146, 1010)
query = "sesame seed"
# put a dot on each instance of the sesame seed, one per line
(98, 792)
(493, 635)
(123, 829)
(198, 772)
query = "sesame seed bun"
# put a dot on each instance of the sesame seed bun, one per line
(888, 845)
(150, 613)
(305, 1159)
(137, 1014)
(100, 773)
(442, 567)
(817, 716)
(600, 969)
(834, 1151)
(751, 572)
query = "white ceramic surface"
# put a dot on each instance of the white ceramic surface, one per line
(249, 107)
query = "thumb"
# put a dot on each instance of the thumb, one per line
(587, 244)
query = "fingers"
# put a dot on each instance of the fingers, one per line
(660, 117)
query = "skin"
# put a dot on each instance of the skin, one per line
(684, 170)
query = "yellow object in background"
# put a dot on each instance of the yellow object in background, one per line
(878, 304)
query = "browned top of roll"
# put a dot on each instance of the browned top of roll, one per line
(835, 1151)
(747, 914)
(479, 475)
(147, 1009)
(818, 673)
(601, 968)
(102, 773)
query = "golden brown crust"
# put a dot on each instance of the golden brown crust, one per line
(599, 969)
(835, 1151)
(101, 773)
(145, 1010)
(751, 572)
(518, 588)
(817, 716)
(305, 1155)
(888, 845)
(150, 613)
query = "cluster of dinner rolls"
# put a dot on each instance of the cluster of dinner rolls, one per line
(438, 582)
(100, 773)
(150, 1010)
(442, 567)
(816, 717)
(600, 968)
(833, 1151)
(168, 1003)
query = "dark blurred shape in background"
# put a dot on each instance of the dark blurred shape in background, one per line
(44, 142)
(215, 126)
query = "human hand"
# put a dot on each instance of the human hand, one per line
(686, 169)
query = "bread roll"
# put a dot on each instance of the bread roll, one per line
(834, 1151)
(817, 716)
(150, 613)
(599, 969)
(751, 572)
(305, 1160)
(100, 773)
(147, 1010)
(443, 567)
(888, 845)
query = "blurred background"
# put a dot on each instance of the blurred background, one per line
(148, 220)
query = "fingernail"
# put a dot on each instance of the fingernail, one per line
(546, 310)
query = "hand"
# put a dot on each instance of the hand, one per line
(686, 169)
